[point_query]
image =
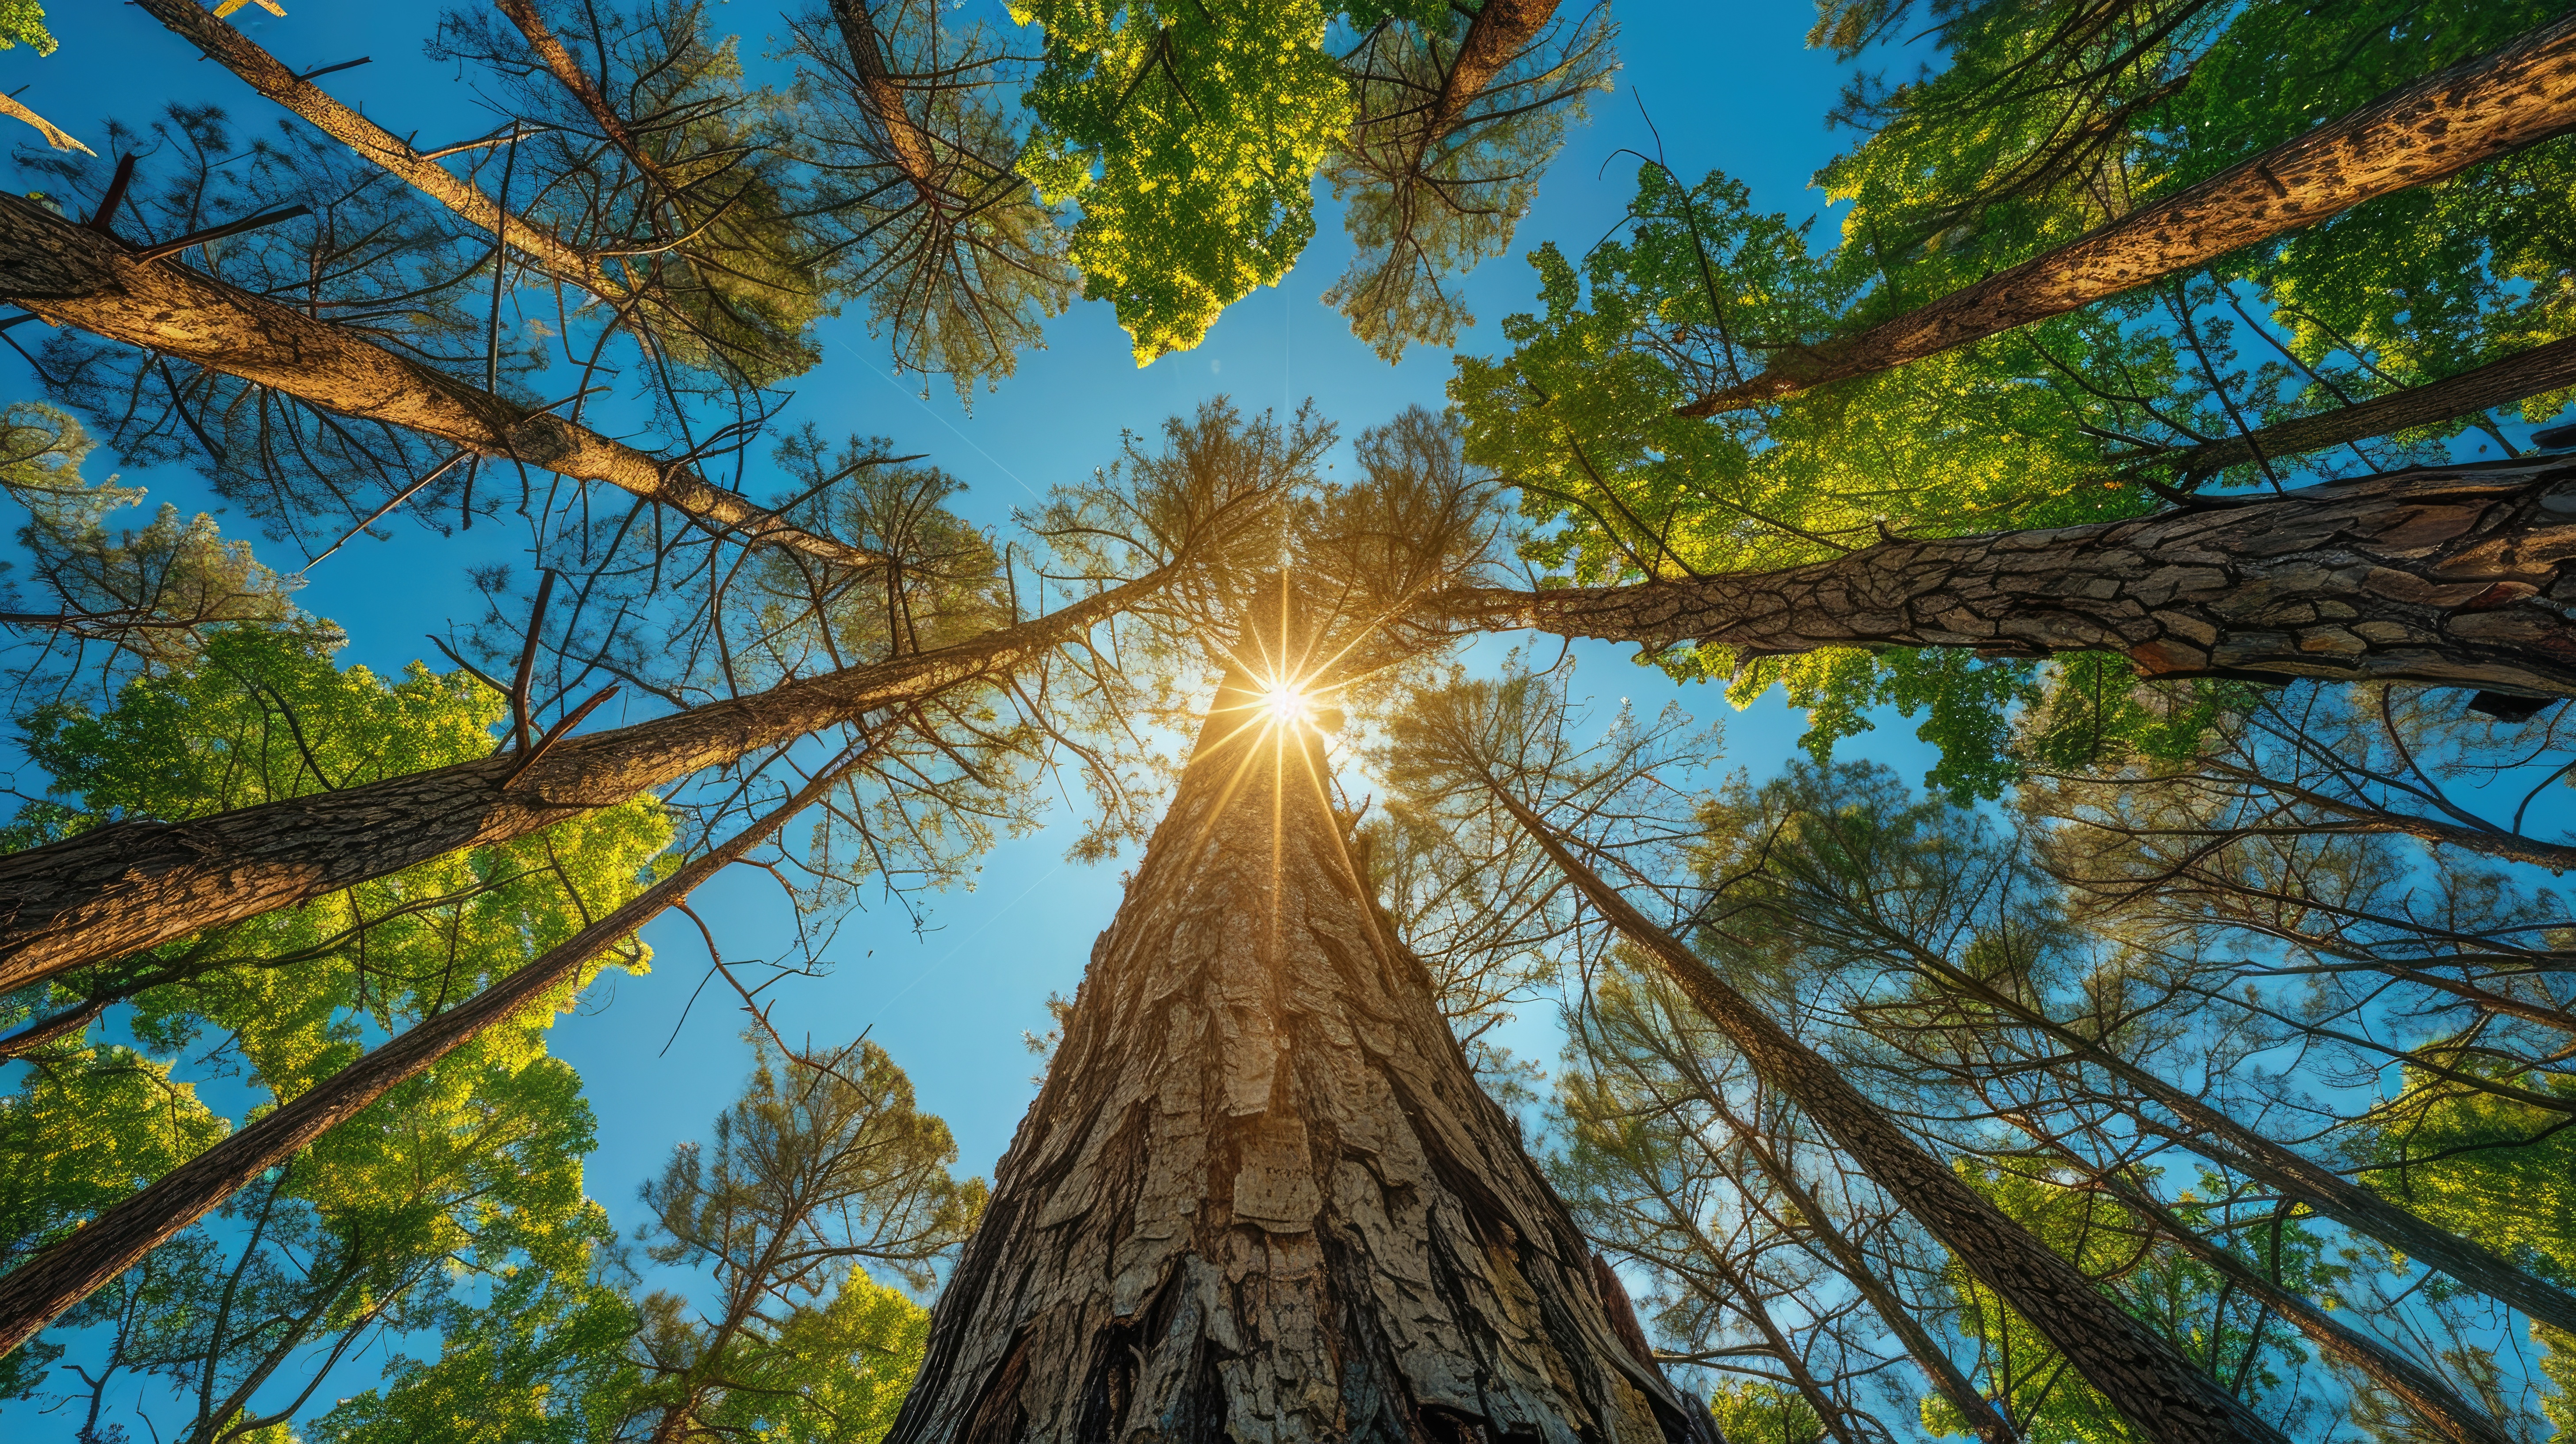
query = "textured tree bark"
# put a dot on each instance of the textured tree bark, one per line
(1500, 30)
(568, 73)
(2161, 1393)
(74, 276)
(2439, 126)
(2422, 1390)
(374, 144)
(35, 1292)
(1260, 1197)
(136, 885)
(2447, 576)
(2498, 383)
(882, 98)
(1984, 1420)
(2212, 1134)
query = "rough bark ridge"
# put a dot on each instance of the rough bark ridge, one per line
(2455, 576)
(882, 98)
(35, 1292)
(2439, 126)
(2159, 1391)
(1260, 1197)
(376, 145)
(73, 276)
(1501, 29)
(134, 885)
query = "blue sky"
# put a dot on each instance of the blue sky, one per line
(1728, 86)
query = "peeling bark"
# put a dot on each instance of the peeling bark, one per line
(2453, 576)
(40, 1289)
(2441, 125)
(1260, 1197)
(1500, 30)
(134, 885)
(374, 144)
(2162, 1393)
(2501, 382)
(73, 276)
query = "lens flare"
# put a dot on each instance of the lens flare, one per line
(1286, 705)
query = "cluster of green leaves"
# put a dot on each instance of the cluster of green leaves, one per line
(1191, 135)
(2042, 121)
(22, 22)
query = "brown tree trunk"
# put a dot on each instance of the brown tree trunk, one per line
(881, 98)
(2207, 1131)
(73, 276)
(1501, 29)
(2422, 1390)
(2146, 1378)
(1261, 1196)
(134, 885)
(32, 1294)
(1983, 1418)
(375, 145)
(2500, 382)
(2445, 576)
(567, 72)
(2441, 125)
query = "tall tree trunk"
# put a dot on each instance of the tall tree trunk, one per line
(1500, 30)
(2452, 576)
(32, 1294)
(2441, 125)
(376, 145)
(2160, 1392)
(2212, 1134)
(881, 98)
(1260, 1196)
(567, 72)
(73, 276)
(2421, 1389)
(1983, 1418)
(134, 885)
(2500, 382)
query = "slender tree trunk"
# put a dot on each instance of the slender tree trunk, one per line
(377, 146)
(73, 276)
(2214, 1135)
(2446, 576)
(2501, 382)
(2422, 1390)
(1261, 1196)
(882, 99)
(559, 63)
(1500, 30)
(35, 1292)
(1983, 1418)
(2146, 1378)
(134, 885)
(2439, 126)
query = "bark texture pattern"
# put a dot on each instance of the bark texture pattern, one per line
(2441, 125)
(1500, 31)
(2447, 576)
(134, 885)
(1261, 1197)
(73, 276)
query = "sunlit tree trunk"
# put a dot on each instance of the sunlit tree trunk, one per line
(1500, 30)
(40, 1289)
(1260, 1196)
(73, 276)
(2452, 577)
(135, 885)
(2161, 1393)
(2439, 126)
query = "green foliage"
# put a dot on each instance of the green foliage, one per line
(2170, 1292)
(2093, 711)
(22, 22)
(1750, 1412)
(1190, 134)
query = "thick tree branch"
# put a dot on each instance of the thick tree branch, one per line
(2439, 126)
